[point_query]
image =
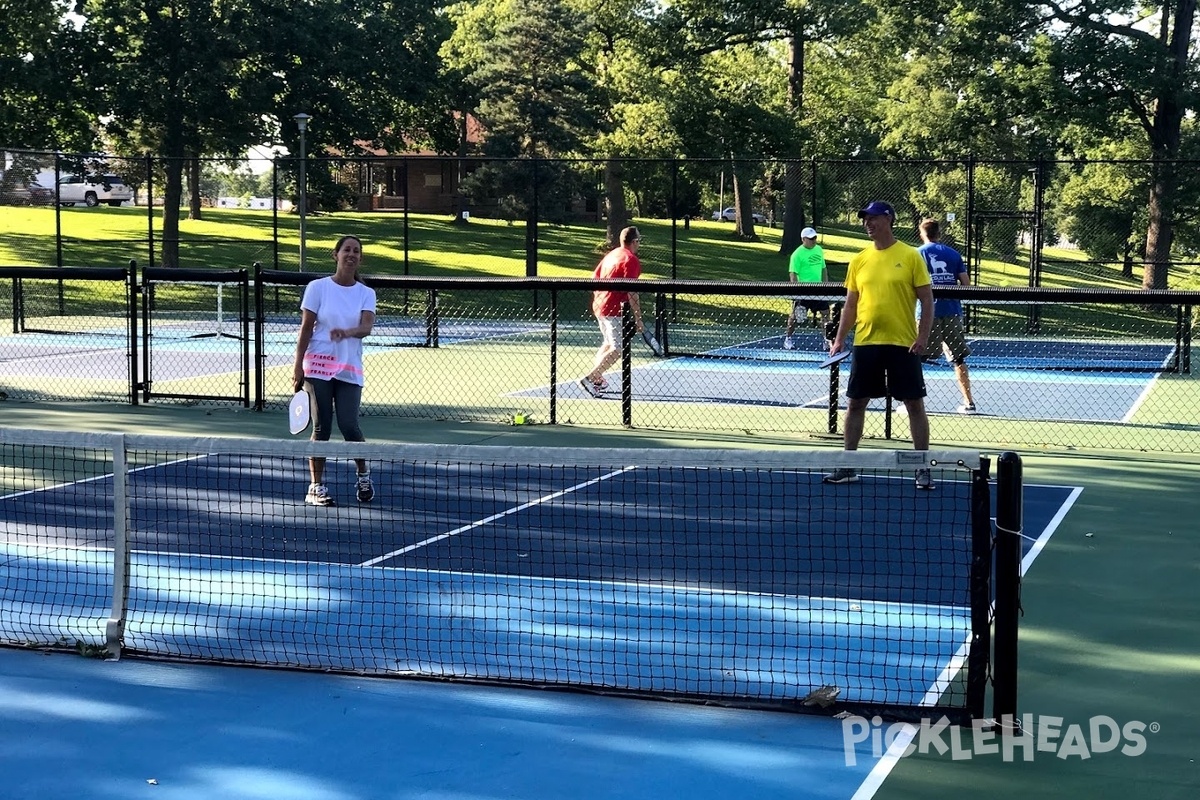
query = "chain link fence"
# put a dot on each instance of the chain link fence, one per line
(1018, 223)
(1048, 367)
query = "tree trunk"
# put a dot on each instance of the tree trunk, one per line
(172, 195)
(742, 198)
(1164, 142)
(460, 200)
(793, 207)
(1160, 232)
(793, 181)
(194, 211)
(614, 201)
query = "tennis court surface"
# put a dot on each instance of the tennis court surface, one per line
(1080, 381)
(227, 732)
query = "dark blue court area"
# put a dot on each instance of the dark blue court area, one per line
(615, 580)
(719, 583)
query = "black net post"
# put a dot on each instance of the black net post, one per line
(1008, 591)
(835, 372)
(979, 656)
(628, 331)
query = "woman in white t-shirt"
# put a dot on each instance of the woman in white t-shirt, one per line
(335, 315)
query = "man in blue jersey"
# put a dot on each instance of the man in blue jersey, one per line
(946, 269)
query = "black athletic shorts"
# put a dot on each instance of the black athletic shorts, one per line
(878, 370)
(800, 306)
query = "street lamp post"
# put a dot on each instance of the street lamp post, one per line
(302, 123)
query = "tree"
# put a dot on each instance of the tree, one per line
(1122, 69)
(44, 62)
(536, 102)
(192, 77)
(690, 30)
(172, 81)
(719, 110)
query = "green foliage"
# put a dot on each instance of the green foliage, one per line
(1098, 204)
(45, 64)
(535, 98)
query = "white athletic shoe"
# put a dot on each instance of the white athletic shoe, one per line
(318, 495)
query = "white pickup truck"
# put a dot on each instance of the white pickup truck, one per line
(92, 190)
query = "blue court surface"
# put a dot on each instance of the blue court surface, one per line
(190, 350)
(425, 576)
(1079, 381)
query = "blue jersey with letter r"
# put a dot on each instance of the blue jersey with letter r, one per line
(945, 265)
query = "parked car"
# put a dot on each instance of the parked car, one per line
(92, 190)
(730, 214)
(40, 195)
(20, 194)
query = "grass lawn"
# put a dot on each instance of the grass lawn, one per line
(431, 245)
(237, 238)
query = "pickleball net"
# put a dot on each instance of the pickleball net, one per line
(734, 576)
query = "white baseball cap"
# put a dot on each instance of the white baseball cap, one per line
(808, 233)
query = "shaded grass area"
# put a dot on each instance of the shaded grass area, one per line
(1110, 627)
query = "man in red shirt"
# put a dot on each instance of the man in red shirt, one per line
(620, 262)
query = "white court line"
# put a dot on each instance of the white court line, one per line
(544, 499)
(1145, 393)
(891, 758)
(1049, 530)
(1141, 398)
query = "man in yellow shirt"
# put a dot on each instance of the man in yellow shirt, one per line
(883, 284)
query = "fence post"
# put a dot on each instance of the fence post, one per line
(553, 355)
(816, 215)
(404, 173)
(531, 230)
(132, 311)
(627, 333)
(260, 378)
(57, 211)
(275, 211)
(674, 218)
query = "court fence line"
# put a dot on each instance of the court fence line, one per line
(1053, 367)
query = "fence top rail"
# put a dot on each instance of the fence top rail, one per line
(177, 275)
(995, 294)
(73, 273)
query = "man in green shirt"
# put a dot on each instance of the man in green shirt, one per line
(807, 265)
